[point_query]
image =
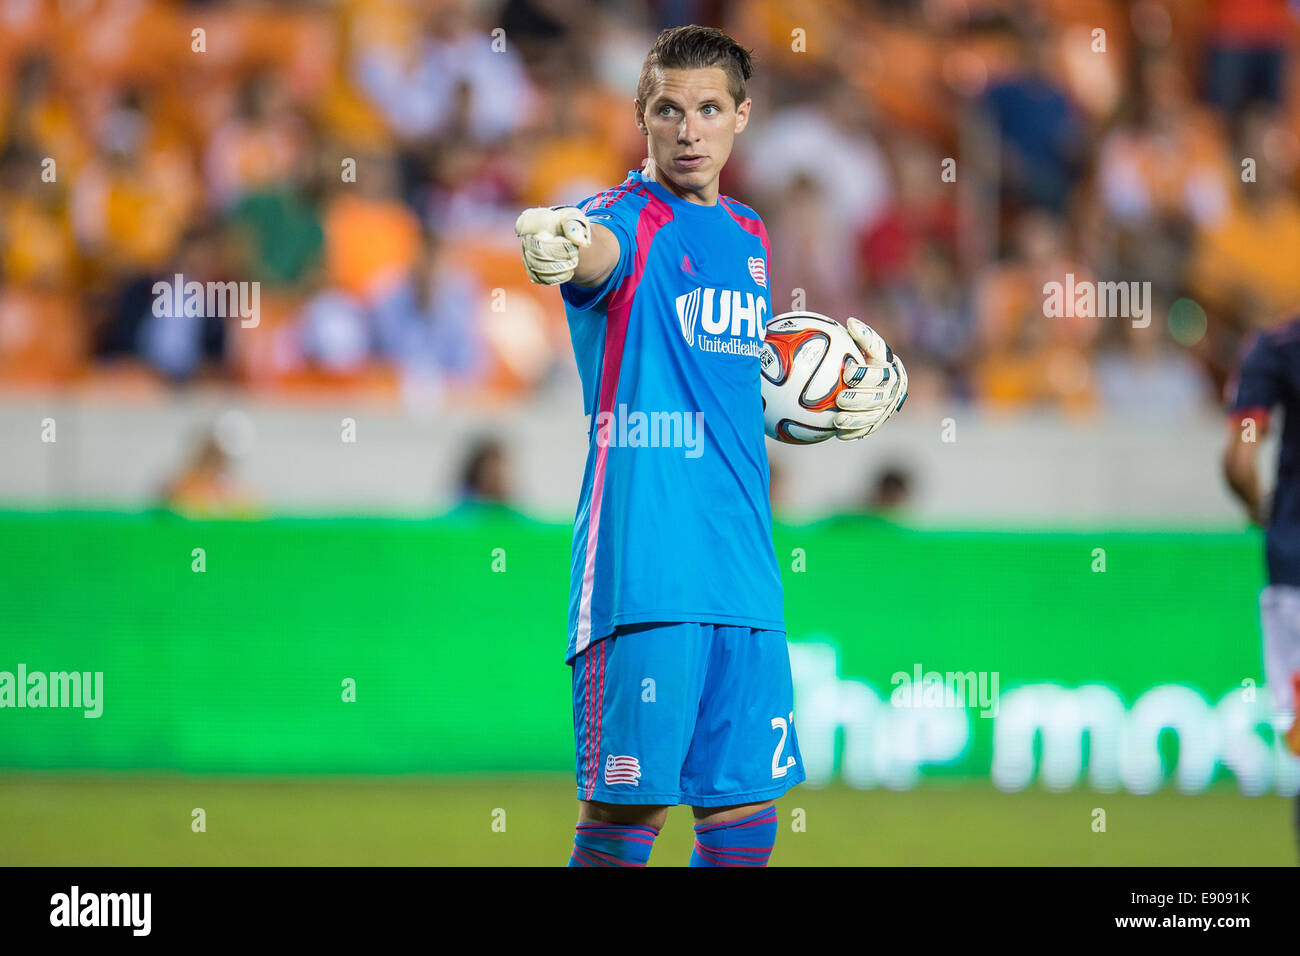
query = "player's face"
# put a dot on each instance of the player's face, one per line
(691, 122)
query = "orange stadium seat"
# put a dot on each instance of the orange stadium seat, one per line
(42, 339)
(526, 334)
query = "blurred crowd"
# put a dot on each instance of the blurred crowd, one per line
(364, 161)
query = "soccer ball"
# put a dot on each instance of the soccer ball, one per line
(807, 359)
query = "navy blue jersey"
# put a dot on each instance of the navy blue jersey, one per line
(674, 522)
(1269, 378)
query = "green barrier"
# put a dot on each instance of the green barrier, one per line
(1121, 659)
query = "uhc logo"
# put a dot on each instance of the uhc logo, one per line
(723, 313)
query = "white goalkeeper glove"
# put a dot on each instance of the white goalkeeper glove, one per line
(550, 237)
(880, 392)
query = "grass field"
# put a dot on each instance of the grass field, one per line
(48, 819)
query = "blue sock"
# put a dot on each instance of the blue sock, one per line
(612, 844)
(744, 842)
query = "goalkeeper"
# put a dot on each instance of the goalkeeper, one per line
(682, 690)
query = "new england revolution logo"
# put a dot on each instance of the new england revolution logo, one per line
(622, 769)
(758, 270)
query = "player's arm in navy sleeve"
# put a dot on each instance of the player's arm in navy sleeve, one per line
(1253, 393)
(607, 261)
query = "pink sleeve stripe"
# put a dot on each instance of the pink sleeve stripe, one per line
(653, 217)
(595, 200)
(610, 196)
(753, 226)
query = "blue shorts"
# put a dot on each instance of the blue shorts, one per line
(701, 714)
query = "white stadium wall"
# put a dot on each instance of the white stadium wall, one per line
(1034, 469)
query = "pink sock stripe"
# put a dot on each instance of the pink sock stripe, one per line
(737, 852)
(584, 858)
(740, 852)
(723, 860)
(753, 820)
(639, 826)
(646, 841)
(611, 836)
(616, 829)
(713, 857)
(737, 825)
(610, 859)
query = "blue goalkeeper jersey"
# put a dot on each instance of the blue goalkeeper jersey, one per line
(674, 521)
